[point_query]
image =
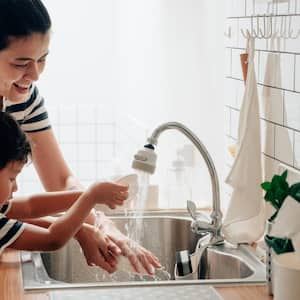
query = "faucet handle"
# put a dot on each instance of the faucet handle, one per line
(191, 207)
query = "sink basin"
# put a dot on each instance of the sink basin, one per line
(66, 268)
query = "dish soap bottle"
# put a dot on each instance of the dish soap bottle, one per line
(178, 190)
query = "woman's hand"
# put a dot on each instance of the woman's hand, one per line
(97, 248)
(109, 193)
(136, 254)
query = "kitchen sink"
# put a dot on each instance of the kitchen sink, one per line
(163, 234)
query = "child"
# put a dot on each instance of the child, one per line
(14, 152)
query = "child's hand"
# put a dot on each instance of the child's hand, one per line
(109, 193)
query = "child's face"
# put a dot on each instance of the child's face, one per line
(21, 63)
(8, 183)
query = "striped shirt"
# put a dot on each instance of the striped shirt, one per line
(9, 229)
(31, 114)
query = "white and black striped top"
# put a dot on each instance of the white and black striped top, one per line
(31, 114)
(9, 229)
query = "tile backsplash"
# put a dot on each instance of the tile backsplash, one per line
(96, 141)
(277, 63)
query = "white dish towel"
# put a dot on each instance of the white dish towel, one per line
(245, 218)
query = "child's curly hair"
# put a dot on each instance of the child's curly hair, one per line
(14, 145)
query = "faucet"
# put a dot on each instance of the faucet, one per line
(145, 160)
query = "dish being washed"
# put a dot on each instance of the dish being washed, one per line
(132, 181)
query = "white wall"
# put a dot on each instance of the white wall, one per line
(170, 65)
(156, 60)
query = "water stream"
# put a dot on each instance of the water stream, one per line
(134, 230)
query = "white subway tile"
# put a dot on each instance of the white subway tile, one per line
(232, 30)
(68, 114)
(234, 123)
(53, 114)
(272, 104)
(263, 7)
(31, 187)
(297, 150)
(105, 114)
(238, 8)
(287, 71)
(106, 133)
(286, 7)
(291, 44)
(87, 114)
(249, 7)
(270, 167)
(29, 173)
(298, 6)
(105, 169)
(230, 92)
(292, 110)
(68, 134)
(87, 170)
(86, 133)
(105, 152)
(297, 74)
(268, 138)
(87, 152)
(228, 7)
(228, 59)
(227, 120)
(284, 141)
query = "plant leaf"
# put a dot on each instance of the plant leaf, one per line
(266, 185)
(284, 175)
(294, 191)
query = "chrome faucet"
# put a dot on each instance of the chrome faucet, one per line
(145, 160)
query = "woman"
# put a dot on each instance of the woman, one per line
(24, 46)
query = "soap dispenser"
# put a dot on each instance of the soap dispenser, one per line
(178, 191)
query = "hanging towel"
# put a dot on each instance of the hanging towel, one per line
(245, 218)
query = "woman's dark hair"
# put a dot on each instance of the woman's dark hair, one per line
(21, 18)
(14, 145)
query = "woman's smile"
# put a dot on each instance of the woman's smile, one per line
(21, 89)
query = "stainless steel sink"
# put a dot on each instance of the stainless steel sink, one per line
(164, 234)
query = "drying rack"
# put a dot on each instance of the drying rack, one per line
(270, 25)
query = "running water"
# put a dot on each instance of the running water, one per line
(135, 231)
(137, 204)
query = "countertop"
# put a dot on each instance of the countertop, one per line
(11, 287)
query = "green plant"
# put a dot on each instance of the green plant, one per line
(278, 189)
(276, 192)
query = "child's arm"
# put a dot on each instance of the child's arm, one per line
(39, 205)
(45, 204)
(37, 238)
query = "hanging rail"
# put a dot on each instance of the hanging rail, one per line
(265, 26)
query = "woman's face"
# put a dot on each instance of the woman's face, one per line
(21, 63)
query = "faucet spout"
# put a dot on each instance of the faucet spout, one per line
(142, 160)
(216, 214)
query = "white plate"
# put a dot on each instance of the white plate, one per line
(132, 181)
